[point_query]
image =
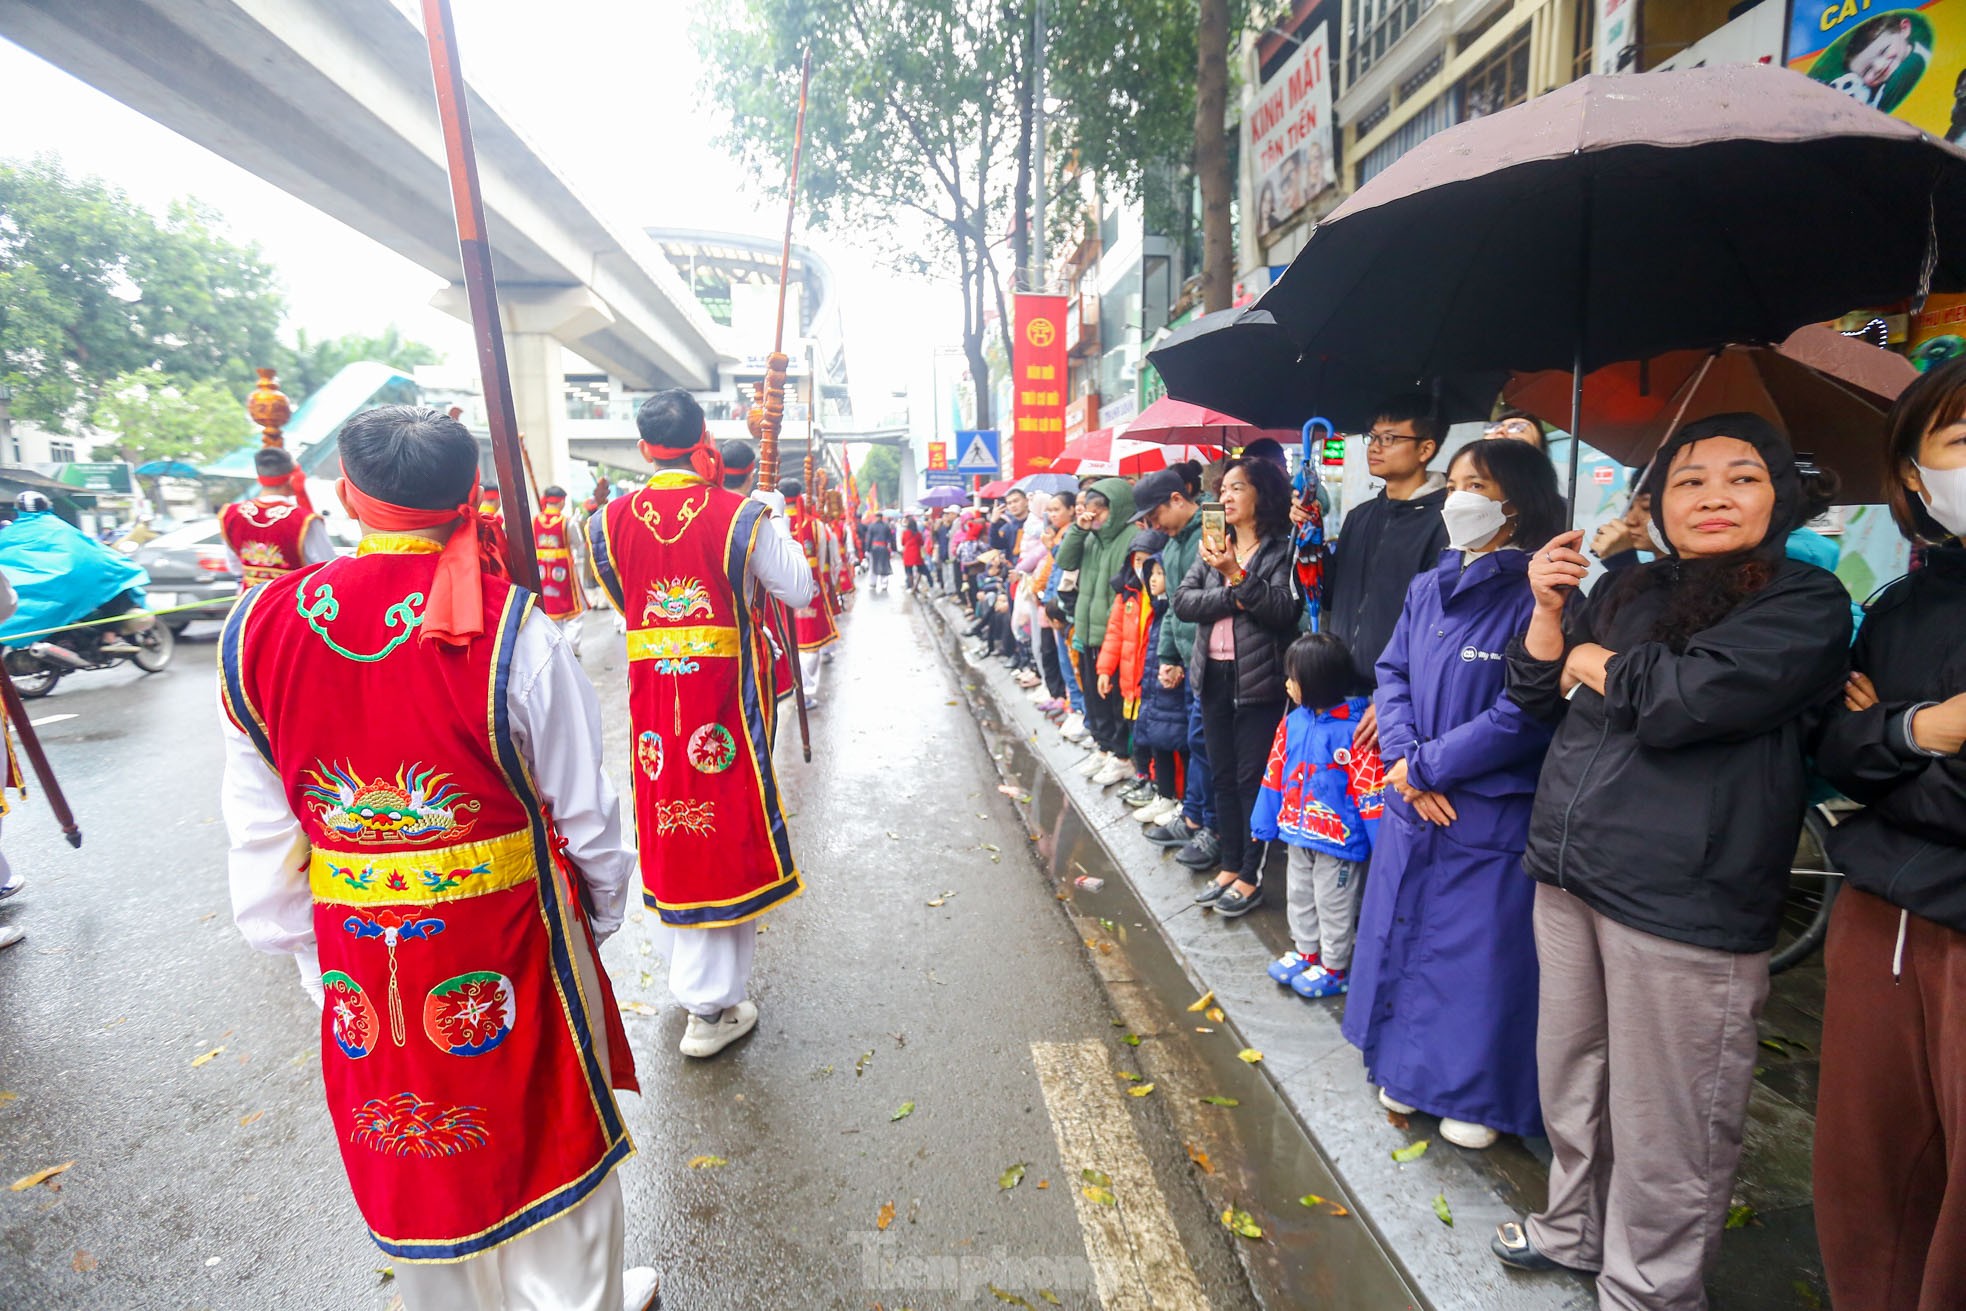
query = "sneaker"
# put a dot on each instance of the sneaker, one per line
(1203, 850)
(1073, 729)
(1474, 1137)
(1318, 982)
(1171, 832)
(1169, 813)
(1095, 761)
(705, 1038)
(1394, 1105)
(1139, 795)
(10, 934)
(1233, 904)
(1286, 968)
(641, 1289)
(14, 883)
(1117, 768)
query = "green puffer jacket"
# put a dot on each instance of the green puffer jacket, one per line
(1177, 635)
(1097, 557)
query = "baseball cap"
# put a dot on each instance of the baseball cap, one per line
(1153, 491)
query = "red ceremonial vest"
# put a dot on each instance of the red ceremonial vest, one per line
(559, 590)
(456, 1046)
(267, 536)
(674, 557)
(813, 622)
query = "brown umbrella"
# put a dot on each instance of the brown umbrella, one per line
(1828, 392)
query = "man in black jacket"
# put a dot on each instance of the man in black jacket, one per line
(1382, 544)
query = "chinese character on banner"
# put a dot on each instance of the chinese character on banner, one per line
(1037, 361)
(938, 455)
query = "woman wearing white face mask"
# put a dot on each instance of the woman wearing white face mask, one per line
(1443, 984)
(1891, 1122)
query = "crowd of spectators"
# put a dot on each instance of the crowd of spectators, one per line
(1537, 833)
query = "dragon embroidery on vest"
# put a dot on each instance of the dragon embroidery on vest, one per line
(326, 609)
(672, 600)
(417, 808)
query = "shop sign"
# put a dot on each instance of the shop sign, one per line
(1288, 134)
(1039, 378)
(1082, 416)
(1903, 61)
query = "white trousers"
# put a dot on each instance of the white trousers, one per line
(572, 1263)
(809, 666)
(710, 969)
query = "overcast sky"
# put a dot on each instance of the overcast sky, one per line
(606, 89)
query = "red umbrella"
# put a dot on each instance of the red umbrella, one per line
(1102, 451)
(1177, 423)
(991, 491)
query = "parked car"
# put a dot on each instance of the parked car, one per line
(187, 565)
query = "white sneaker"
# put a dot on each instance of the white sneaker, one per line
(1474, 1137)
(1039, 693)
(10, 934)
(704, 1038)
(1117, 768)
(1073, 729)
(641, 1289)
(1151, 806)
(1162, 813)
(1396, 1107)
(1092, 764)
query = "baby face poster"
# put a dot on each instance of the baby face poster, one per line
(1906, 61)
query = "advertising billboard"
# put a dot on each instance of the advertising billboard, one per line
(1903, 61)
(1287, 134)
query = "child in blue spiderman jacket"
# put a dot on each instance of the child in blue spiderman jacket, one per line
(1324, 799)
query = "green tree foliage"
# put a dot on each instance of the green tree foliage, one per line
(881, 468)
(94, 287)
(153, 416)
(911, 128)
(315, 360)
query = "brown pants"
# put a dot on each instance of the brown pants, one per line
(1644, 1057)
(1891, 1113)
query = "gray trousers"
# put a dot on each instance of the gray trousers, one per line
(1645, 1056)
(1324, 905)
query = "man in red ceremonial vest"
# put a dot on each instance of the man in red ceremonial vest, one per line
(741, 476)
(276, 532)
(492, 505)
(418, 813)
(683, 560)
(815, 623)
(559, 586)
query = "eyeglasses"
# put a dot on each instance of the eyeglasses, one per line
(1510, 427)
(1388, 438)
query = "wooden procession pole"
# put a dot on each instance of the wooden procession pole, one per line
(30, 745)
(480, 288)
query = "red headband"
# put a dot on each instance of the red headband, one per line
(295, 484)
(456, 611)
(705, 460)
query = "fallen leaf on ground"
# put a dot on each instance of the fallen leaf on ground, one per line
(1201, 1003)
(1002, 1296)
(706, 1162)
(1242, 1222)
(1103, 1196)
(1012, 1177)
(1775, 1046)
(211, 1055)
(1215, 1100)
(1330, 1207)
(1806, 1295)
(1097, 1178)
(1410, 1152)
(885, 1218)
(253, 1117)
(1200, 1158)
(938, 901)
(83, 1262)
(1203, 1028)
(28, 1181)
(1740, 1216)
(893, 835)
(902, 1112)
(6, 1097)
(1009, 789)
(1043, 1184)
(1130, 1039)
(1048, 1297)
(1139, 1090)
(639, 1008)
(860, 1066)
(1216, 1014)
(991, 846)
(1398, 1121)
(1127, 1075)
(1440, 1209)
(1249, 1056)
(386, 1271)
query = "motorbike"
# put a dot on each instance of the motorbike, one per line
(35, 667)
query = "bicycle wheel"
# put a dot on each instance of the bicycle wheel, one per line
(1813, 884)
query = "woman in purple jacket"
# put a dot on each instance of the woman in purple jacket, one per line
(1443, 987)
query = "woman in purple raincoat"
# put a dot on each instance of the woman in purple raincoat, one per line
(1443, 999)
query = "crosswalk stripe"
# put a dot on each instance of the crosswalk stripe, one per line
(1137, 1259)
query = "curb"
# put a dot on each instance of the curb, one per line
(1316, 1072)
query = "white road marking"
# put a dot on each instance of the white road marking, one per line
(48, 719)
(1137, 1259)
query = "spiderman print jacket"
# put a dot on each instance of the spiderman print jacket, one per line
(1317, 792)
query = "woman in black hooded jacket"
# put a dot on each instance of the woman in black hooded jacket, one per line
(1890, 1159)
(1665, 819)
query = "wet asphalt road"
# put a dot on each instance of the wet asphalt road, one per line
(218, 1184)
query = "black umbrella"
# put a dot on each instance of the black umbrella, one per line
(1239, 361)
(1622, 216)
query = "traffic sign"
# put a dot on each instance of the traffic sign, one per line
(978, 452)
(942, 478)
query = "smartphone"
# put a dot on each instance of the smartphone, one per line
(1215, 527)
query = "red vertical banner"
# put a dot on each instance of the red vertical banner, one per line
(1037, 363)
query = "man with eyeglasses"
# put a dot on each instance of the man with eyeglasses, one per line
(1383, 543)
(1516, 426)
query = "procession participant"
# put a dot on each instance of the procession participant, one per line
(276, 532)
(552, 535)
(491, 505)
(443, 879)
(813, 621)
(683, 559)
(775, 644)
(740, 465)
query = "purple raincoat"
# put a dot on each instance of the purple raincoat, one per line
(1443, 989)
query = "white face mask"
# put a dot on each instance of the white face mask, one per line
(1945, 497)
(1472, 519)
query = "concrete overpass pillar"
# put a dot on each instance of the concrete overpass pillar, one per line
(537, 322)
(908, 489)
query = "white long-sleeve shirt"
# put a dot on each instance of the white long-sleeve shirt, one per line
(778, 564)
(556, 724)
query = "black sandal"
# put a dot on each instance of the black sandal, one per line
(1512, 1247)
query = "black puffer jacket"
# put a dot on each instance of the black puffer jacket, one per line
(1909, 845)
(1382, 546)
(1265, 605)
(1671, 803)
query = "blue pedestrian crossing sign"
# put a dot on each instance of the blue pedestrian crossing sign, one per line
(977, 451)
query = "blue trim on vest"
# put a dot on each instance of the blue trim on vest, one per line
(567, 1198)
(232, 669)
(597, 542)
(721, 914)
(753, 518)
